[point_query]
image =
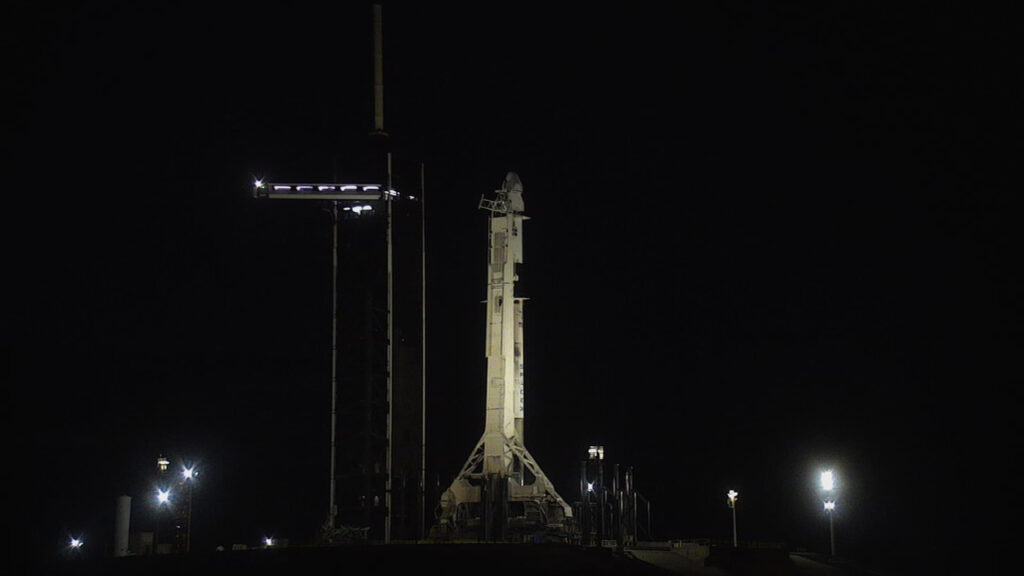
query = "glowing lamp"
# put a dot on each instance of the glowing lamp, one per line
(828, 480)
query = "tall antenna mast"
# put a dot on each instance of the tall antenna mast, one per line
(378, 71)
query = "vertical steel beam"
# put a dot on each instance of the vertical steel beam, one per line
(332, 510)
(423, 350)
(390, 358)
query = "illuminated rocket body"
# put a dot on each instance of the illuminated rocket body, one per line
(500, 470)
(504, 338)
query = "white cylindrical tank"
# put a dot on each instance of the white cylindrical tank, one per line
(121, 522)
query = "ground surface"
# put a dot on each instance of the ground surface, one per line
(457, 559)
(745, 562)
(449, 559)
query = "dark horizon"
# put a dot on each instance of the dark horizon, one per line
(762, 241)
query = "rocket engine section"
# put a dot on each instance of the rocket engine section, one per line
(501, 491)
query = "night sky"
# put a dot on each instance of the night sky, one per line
(763, 240)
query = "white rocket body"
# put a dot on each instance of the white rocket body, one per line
(504, 343)
(501, 451)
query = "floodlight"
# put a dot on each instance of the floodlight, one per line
(732, 494)
(828, 480)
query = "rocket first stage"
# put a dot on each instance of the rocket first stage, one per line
(501, 491)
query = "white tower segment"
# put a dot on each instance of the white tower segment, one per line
(500, 459)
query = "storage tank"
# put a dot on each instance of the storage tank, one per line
(121, 520)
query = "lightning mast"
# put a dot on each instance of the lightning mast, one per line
(501, 488)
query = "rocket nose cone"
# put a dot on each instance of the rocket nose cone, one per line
(513, 183)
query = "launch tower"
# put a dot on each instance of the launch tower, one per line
(378, 386)
(501, 492)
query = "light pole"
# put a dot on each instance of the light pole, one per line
(188, 474)
(732, 495)
(830, 507)
(163, 498)
(828, 484)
